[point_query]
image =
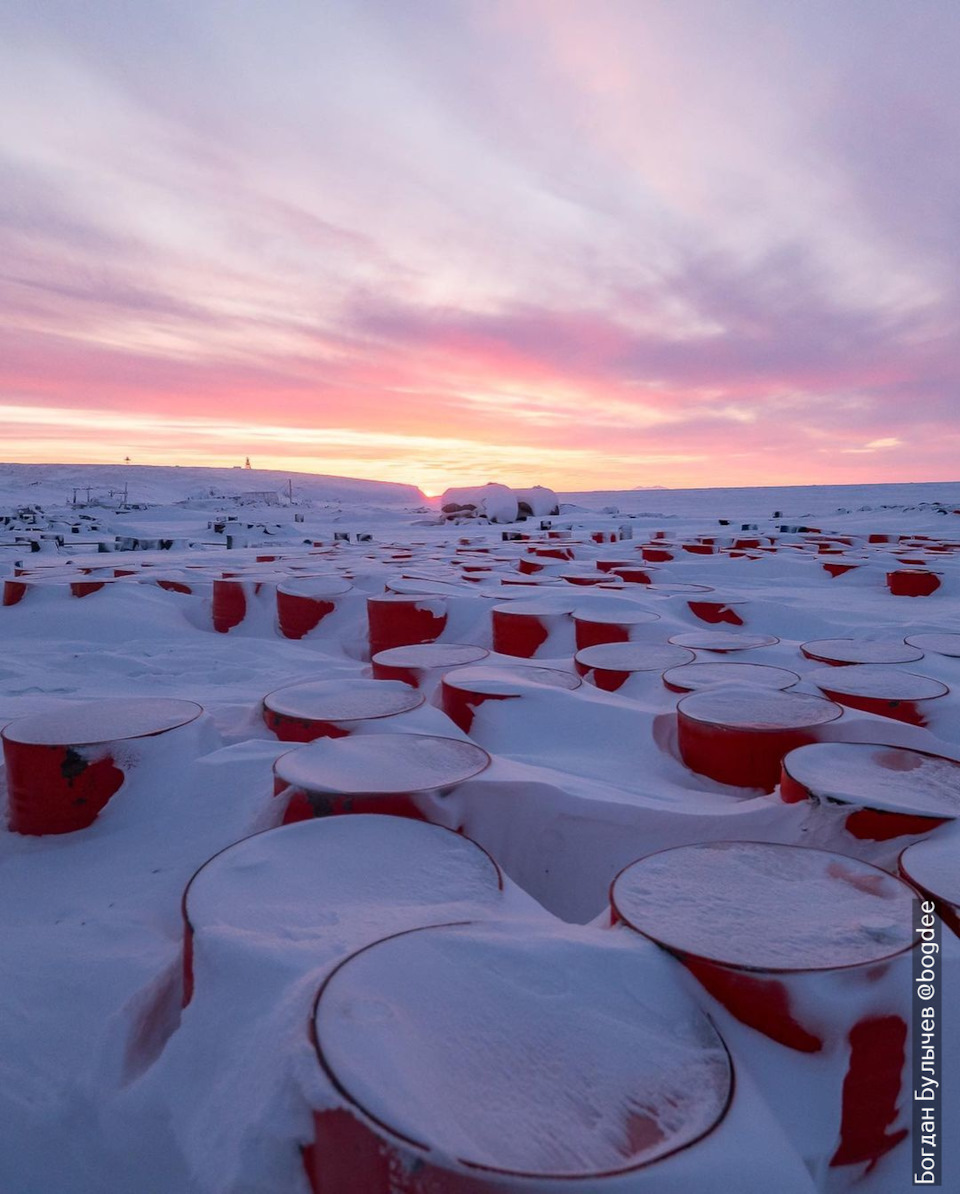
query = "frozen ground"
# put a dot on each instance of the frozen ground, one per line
(106, 1086)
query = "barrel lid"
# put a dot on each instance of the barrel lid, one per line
(764, 906)
(536, 1054)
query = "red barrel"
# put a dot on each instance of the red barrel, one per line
(739, 736)
(285, 881)
(471, 1060)
(913, 582)
(303, 604)
(424, 664)
(464, 690)
(611, 622)
(523, 628)
(841, 652)
(931, 866)
(714, 610)
(373, 773)
(885, 691)
(939, 642)
(397, 620)
(722, 641)
(610, 665)
(61, 765)
(691, 677)
(333, 708)
(882, 792)
(810, 949)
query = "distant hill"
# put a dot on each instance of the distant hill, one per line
(54, 484)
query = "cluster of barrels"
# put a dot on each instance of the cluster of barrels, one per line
(470, 1045)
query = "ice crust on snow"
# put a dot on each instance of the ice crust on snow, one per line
(749, 904)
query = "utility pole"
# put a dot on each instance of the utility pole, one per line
(290, 489)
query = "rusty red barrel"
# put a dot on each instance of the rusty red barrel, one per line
(397, 619)
(913, 582)
(691, 677)
(842, 652)
(283, 883)
(655, 555)
(424, 664)
(938, 642)
(464, 690)
(739, 736)
(609, 622)
(879, 792)
(333, 708)
(373, 773)
(632, 575)
(811, 950)
(302, 604)
(715, 610)
(932, 867)
(722, 641)
(885, 691)
(472, 1059)
(63, 766)
(611, 665)
(231, 599)
(530, 628)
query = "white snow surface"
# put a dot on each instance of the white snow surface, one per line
(109, 1086)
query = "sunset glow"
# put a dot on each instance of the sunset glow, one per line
(535, 241)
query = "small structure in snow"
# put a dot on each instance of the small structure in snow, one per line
(498, 503)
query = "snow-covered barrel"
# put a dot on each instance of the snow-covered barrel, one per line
(423, 665)
(913, 582)
(691, 677)
(722, 641)
(937, 642)
(608, 622)
(739, 736)
(530, 628)
(610, 666)
(462, 691)
(879, 793)
(303, 603)
(400, 619)
(932, 867)
(656, 554)
(716, 610)
(232, 597)
(373, 773)
(811, 950)
(843, 652)
(884, 691)
(472, 1059)
(64, 765)
(283, 883)
(333, 708)
(631, 574)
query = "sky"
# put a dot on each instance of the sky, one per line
(578, 243)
